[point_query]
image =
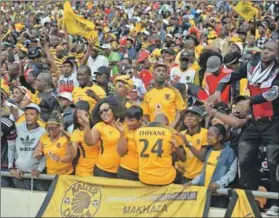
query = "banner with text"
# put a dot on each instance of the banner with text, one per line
(71, 196)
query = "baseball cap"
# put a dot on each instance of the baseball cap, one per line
(168, 50)
(33, 106)
(184, 56)
(66, 95)
(170, 35)
(125, 79)
(195, 110)
(103, 70)
(231, 58)
(213, 64)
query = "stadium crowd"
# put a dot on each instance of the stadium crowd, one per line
(183, 92)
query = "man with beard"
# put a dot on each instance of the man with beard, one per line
(162, 99)
(263, 128)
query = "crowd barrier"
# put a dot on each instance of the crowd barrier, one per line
(259, 194)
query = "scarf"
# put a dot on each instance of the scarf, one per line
(260, 75)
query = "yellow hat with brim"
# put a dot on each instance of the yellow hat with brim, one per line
(126, 80)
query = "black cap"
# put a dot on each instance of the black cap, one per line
(184, 56)
(103, 70)
(191, 36)
(170, 51)
(240, 98)
(195, 110)
(68, 62)
(232, 58)
(82, 105)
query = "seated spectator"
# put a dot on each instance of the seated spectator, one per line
(21, 158)
(86, 155)
(220, 165)
(126, 147)
(55, 147)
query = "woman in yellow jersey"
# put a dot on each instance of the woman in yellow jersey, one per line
(104, 115)
(220, 165)
(87, 155)
(126, 148)
(55, 145)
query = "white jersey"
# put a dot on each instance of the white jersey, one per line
(187, 76)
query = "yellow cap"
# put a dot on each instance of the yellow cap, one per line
(126, 80)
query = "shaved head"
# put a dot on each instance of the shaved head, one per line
(162, 119)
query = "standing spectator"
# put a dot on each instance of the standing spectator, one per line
(68, 80)
(195, 142)
(156, 144)
(8, 137)
(65, 100)
(105, 114)
(86, 155)
(94, 59)
(262, 28)
(87, 91)
(123, 86)
(126, 147)
(182, 73)
(48, 102)
(220, 165)
(162, 98)
(21, 154)
(264, 125)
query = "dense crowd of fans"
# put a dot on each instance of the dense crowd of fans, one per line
(181, 92)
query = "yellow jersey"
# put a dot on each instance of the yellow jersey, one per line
(130, 160)
(155, 154)
(80, 94)
(109, 159)
(210, 166)
(88, 154)
(162, 101)
(59, 147)
(192, 165)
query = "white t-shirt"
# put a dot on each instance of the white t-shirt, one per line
(95, 64)
(67, 84)
(139, 86)
(187, 76)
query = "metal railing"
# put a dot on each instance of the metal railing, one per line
(223, 191)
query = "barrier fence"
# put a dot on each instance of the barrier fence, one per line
(223, 191)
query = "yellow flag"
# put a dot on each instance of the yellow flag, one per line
(72, 196)
(77, 25)
(242, 204)
(246, 10)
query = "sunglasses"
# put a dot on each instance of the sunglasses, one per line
(104, 111)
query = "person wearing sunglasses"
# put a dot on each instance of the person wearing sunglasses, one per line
(56, 147)
(104, 132)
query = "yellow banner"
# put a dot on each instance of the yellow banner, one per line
(242, 204)
(77, 25)
(72, 196)
(246, 10)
